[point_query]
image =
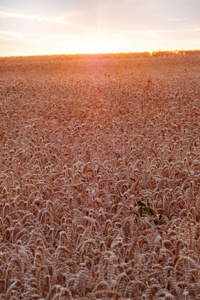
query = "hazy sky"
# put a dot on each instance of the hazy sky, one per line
(30, 27)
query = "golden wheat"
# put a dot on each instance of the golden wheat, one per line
(100, 177)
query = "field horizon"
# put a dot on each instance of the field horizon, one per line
(134, 53)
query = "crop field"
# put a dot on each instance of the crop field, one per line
(100, 177)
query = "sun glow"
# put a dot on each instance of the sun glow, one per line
(106, 44)
(105, 47)
(86, 43)
(96, 47)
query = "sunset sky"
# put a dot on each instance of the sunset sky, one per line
(34, 27)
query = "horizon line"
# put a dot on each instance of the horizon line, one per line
(176, 51)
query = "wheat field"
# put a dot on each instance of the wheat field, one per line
(100, 177)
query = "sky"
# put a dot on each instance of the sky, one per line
(43, 27)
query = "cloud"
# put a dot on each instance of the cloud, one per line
(107, 14)
(10, 15)
(10, 36)
(34, 24)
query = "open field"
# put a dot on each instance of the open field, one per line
(100, 177)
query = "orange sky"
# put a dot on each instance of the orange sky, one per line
(97, 26)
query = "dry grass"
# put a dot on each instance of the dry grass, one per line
(100, 177)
